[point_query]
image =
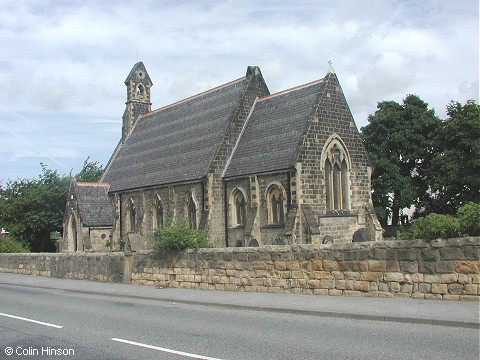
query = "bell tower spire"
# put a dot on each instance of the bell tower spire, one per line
(138, 97)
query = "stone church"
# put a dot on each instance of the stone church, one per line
(248, 167)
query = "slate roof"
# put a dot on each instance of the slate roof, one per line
(94, 204)
(274, 131)
(175, 143)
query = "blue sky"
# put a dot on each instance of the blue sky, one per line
(63, 63)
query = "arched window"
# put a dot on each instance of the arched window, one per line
(191, 212)
(275, 205)
(336, 177)
(131, 215)
(158, 212)
(238, 204)
(140, 91)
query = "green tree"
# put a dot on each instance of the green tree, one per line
(91, 171)
(399, 141)
(31, 209)
(454, 171)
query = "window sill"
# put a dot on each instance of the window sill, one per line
(273, 226)
(237, 227)
(338, 213)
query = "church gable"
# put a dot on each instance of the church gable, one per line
(175, 143)
(274, 131)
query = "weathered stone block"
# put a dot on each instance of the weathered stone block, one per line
(439, 289)
(455, 289)
(424, 287)
(407, 254)
(445, 267)
(464, 279)
(335, 292)
(427, 267)
(385, 294)
(329, 265)
(371, 276)
(471, 289)
(429, 255)
(408, 266)
(448, 278)
(433, 297)
(393, 266)
(377, 265)
(452, 253)
(361, 285)
(393, 276)
(466, 267)
(394, 286)
(327, 284)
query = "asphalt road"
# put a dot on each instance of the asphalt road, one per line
(93, 326)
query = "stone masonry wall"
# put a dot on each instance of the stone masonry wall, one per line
(441, 269)
(104, 267)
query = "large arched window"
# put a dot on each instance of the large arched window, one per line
(131, 215)
(336, 177)
(158, 209)
(275, 205)
(238, 206)
(191, 210)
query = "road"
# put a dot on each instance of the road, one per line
(74, 325)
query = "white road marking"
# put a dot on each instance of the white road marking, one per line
(32, 321)
(193, 356)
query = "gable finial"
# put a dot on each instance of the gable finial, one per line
(330, 67)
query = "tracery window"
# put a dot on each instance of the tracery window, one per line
(336, 178)
(275, 205)
(239, 214)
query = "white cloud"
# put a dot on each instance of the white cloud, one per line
(63, 63)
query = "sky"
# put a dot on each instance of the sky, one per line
(63, 63)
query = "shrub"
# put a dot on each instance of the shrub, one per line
(10, 245)
(179, 236)
(469, 217)
(435, 226)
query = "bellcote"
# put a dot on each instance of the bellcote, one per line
(138, 84)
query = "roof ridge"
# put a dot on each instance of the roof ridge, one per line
(292, 89)
(196, 95)
(85, 183)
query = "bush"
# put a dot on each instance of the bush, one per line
(179, 236)
(469, 217)
(10, 245)
(435, 226)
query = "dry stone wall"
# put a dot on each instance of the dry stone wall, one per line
(441, 269)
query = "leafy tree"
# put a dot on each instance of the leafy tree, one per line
(91, 171)
(454, 171)
(31, 209)
(10, 245)
(399, 141)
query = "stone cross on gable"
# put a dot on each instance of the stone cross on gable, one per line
(330, 67)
